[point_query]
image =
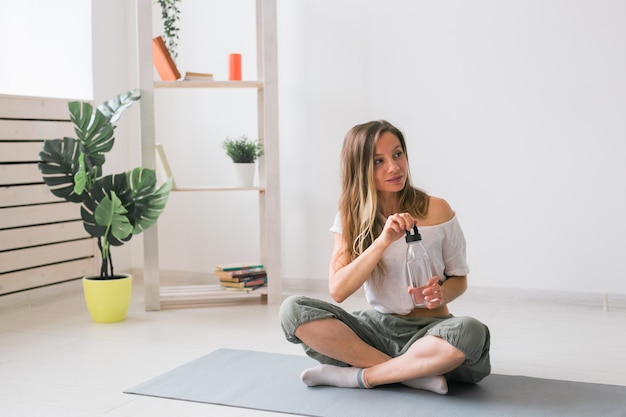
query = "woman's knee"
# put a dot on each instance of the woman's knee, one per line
(472, 338)
(477, 333)
(288, 308)
(297, 310)
(477, 344)
(289, 315)
(467, 334)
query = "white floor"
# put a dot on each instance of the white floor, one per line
(55, 362)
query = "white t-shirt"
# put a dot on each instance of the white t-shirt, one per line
(445, 244)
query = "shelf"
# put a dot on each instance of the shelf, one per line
(216, 188)
(268, 191)
(199, 295)
(208, 84)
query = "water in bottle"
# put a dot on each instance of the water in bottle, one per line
(417, 265)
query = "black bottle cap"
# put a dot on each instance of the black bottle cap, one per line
(413, 237)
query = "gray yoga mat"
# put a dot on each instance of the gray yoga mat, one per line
(270, 381)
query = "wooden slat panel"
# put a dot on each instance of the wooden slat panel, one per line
(20, 107)
(26, 194)
(34, 130)
(40, 235)
(43, 255)
(30, 278)
(27, 243)
(20, 151)
(45, 213)
(19, 174)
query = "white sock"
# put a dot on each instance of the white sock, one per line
(436, 384)
(336, 376)
(349, 377)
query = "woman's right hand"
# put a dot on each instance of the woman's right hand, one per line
(396, 227)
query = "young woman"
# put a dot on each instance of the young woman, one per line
(394, 342)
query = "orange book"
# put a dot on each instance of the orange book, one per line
(163, 61)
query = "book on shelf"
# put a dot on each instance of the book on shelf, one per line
(238, 266)
(246, 289)
(243, 278)
(245, 284)
(166, 66)
(198, 76)
(239, 273)
(163, 61)
(163, 166)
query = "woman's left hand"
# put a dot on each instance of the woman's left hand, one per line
(433, 294)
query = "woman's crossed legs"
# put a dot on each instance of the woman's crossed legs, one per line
(422, 366)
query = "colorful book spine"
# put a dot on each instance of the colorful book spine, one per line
(239, 273)
(236, 267)
(243, 278)
(246, 284)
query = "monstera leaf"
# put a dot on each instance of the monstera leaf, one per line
(101, 192)
(94, 131)
(149, 203)
(124, 205)
(58, 165)
(71, 166)
(112, 109)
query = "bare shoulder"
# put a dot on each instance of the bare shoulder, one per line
(439, 211)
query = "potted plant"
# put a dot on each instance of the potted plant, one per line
(243, 152)
(113, 207)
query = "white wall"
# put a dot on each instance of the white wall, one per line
(512, 109)
(42, 56)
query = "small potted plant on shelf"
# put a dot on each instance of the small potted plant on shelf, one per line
(113, 207)
(243, 152)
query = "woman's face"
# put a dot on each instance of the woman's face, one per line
(390, 164)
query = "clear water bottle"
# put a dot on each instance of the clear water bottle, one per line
(417, 265)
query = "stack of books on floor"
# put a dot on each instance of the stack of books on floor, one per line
(245, 277)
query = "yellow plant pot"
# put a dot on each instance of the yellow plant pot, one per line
(108, 300)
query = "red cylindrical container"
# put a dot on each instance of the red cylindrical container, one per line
(234, 67)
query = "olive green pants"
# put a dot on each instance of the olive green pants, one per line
(394, 335)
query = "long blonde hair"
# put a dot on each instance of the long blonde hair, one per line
(361, 217)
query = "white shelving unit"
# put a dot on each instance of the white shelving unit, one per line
(157, 296)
